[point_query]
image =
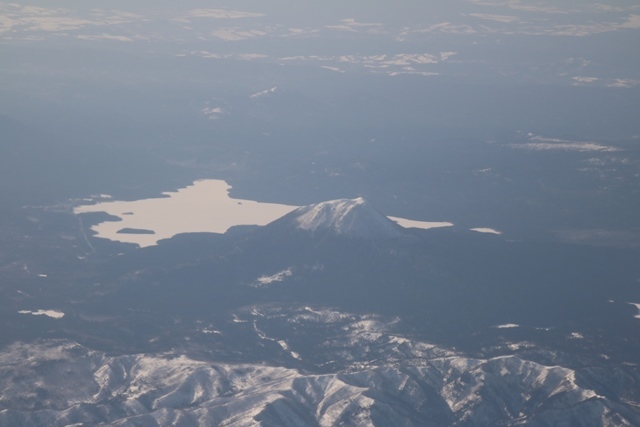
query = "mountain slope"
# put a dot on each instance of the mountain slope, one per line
(353, 218)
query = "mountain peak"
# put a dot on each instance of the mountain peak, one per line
(345, 217)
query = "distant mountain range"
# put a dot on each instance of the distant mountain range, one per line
(371, 376)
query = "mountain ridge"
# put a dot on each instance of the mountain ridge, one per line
(388, 379)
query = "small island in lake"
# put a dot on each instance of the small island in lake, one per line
(135, 231)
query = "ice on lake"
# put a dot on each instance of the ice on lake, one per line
(204, 206)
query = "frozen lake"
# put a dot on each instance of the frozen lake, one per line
(204, 206)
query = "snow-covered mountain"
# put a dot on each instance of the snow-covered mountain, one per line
(344, 217)
(378, 378)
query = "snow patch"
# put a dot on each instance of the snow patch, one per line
(231, 34)
(264, 93)
(486, 230)
(409, 223)
(336, 69)
(278, 277)
(283, 344)
(540, 143)
(637, 316)
(506, 19)
(236, 319)
(212, 113)
(49, 313)
(222, 14)
(581, 79)
(104, 36)
(322, 316)
(564, 146)
(507, 326)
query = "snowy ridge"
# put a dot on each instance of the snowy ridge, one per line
(391, 380)
(346, 217)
